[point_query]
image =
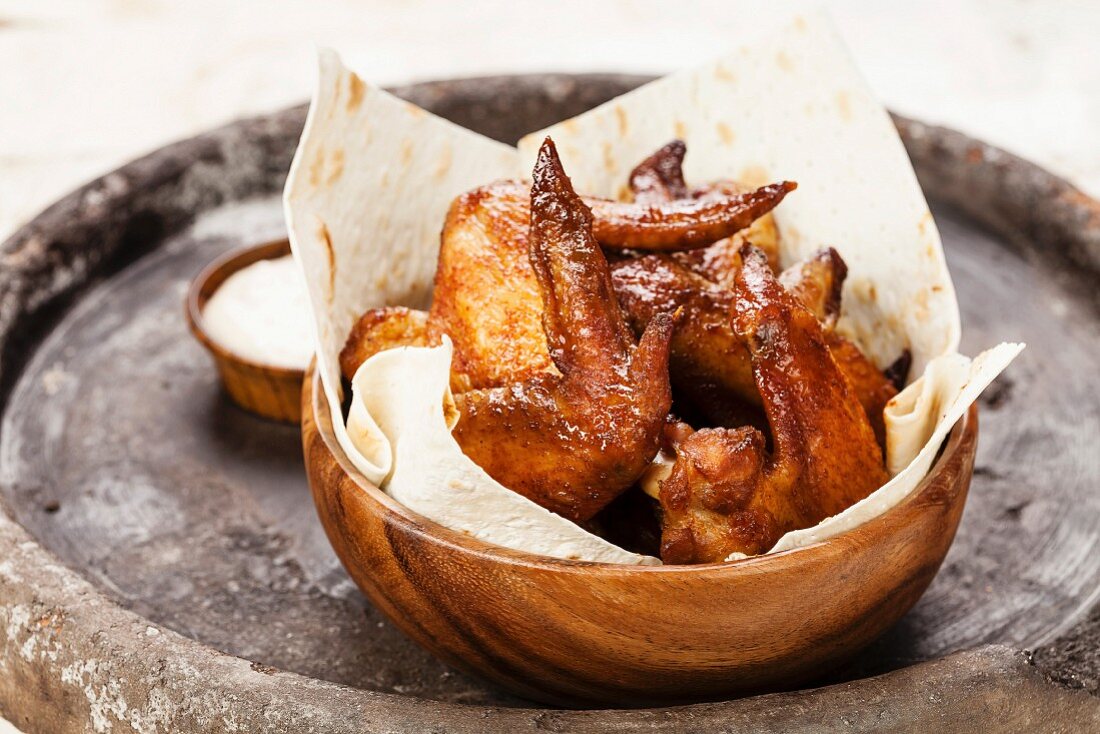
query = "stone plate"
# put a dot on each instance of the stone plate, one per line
(162, 569)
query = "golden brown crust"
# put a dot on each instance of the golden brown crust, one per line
(380, 329)
(573, 441)
(726, 494)
(486, 297)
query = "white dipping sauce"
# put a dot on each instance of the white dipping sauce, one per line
(260, 313)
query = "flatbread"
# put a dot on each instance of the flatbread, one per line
(373, 178)
(364, 201)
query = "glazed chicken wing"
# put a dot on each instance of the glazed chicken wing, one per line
(486, 296)
(660, 178)
(683, 224)
(816, 283)
(574, 439)
(487, 300)
(558, 402)
(727, 493)
(710, 365)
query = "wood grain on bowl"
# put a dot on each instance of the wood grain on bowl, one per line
(266, 390)
(577, 634)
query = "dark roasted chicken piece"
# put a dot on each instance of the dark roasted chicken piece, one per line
(574, 439)
(486, 297)
(558, 403)
(727, 493)
(660, 178)
(709, 365)
(682, 224)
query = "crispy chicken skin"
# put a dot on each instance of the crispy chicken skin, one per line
(380, 329)
(573, 440)
(486, 296)
(726, 493)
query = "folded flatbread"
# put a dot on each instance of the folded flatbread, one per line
(373, 177)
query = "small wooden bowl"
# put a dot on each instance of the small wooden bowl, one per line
(266, 390)
(593, 634)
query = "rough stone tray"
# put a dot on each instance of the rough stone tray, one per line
(162, 569)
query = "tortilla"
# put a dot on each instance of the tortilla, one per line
(373, 177)
(367, 191)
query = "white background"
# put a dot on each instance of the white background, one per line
(87, 84)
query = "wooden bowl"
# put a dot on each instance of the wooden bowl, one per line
(591, 634)
(266, 390)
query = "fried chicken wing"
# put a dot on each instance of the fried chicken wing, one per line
(486, 296)
(574, 439)
(682, 224)
(817, 284)
(726, 493)
(660, 178)
(487, 299)
(380, 329)
(708, 359)
(720, 261)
